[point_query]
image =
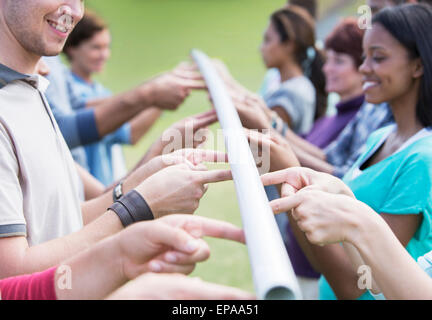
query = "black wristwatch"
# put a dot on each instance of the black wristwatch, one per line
(118, 191)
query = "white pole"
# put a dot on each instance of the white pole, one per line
(272, 271)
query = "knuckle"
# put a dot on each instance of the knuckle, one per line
(312, 237)
(198, 194)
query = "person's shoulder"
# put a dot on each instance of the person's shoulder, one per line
(77, 86)
(73, 78)
(101, 90)
(421, 150)
(297, 84)
(417, 156)
(298, 89)
(378, 134)
(12, 90)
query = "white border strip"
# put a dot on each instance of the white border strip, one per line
(272, 271)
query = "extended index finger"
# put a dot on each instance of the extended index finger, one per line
(214, 176)
(205, 114)
(292, 176)
(188, 74)
(204, 121)
(203, 155)
(214, 228)
(193, 84)
(286, 204)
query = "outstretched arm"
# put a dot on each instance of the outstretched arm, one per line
(326, 212)
(167, 245)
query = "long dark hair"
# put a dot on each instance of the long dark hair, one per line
(411, 25)
(294, 23)
(310, 5)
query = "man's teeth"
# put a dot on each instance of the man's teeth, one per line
(58, 27)
(369, 84)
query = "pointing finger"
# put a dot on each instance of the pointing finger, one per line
(214, 176)
(285, 204)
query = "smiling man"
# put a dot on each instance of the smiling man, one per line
(34, 28)
(41, 220)
(32, 148)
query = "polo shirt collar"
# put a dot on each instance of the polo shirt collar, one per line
(7, 75)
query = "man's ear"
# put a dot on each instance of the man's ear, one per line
(418, 69)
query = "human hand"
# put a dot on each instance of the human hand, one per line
(299, 178)
(231, 83)
(271, 151)
(191, 157)
(176, 287)
(188, 70)
(171, 244)
(189, 132)
(179, 188)
(326, 218)
(252, 115)
(169, 90)
(252, 110)
(237, 90)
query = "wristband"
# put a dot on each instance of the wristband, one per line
(123, 213)
(132, 208)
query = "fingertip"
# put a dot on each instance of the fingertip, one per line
(171, 257)
(155, 266)
(275, 206)
(242, 237)
(192, 245)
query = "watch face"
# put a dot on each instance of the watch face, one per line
(118, 191)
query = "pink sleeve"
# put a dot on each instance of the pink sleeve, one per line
(37, 286)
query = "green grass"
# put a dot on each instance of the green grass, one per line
(151, 36)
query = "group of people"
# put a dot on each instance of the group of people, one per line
(378, 140)
(58, 142)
